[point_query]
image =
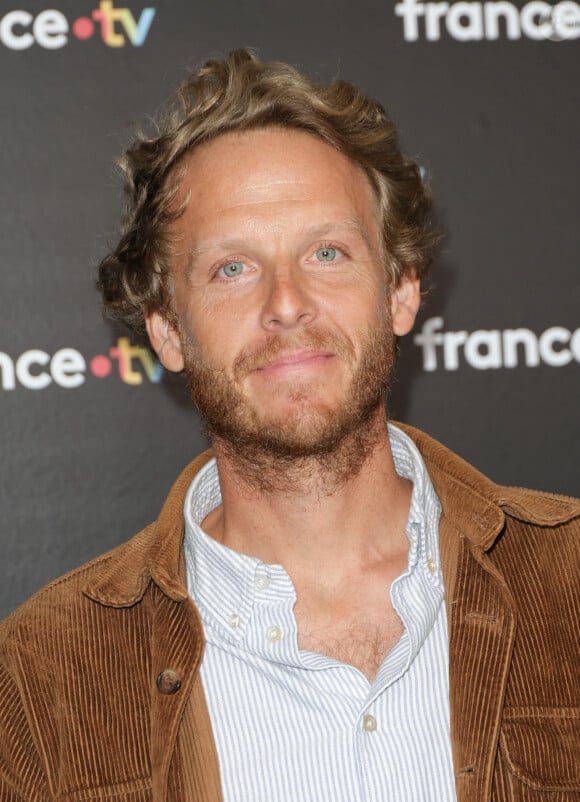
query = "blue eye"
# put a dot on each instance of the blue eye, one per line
(232, 269)
(326, 254)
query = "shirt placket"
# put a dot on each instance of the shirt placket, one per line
(272, 632)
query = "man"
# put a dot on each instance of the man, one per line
(329, 608)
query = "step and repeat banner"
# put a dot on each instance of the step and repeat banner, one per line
(487, 98)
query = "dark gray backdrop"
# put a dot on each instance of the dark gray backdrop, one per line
(494, 122)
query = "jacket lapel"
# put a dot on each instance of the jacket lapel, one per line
(481, 622)
(199, 774)
(178, 707)
(183, 755)
(481, 613)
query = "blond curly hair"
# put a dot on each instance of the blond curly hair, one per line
(241, 93)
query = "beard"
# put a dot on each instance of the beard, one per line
(320, 443)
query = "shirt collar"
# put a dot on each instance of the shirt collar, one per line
(218, 578)
(225, 584)
(425, 509)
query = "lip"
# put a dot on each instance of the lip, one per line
(304, 358)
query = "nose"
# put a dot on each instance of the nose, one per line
(289, 302)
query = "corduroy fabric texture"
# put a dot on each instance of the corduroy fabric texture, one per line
(100, 695)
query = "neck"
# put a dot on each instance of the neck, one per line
(342, 511)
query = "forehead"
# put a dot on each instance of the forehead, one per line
(273, 173)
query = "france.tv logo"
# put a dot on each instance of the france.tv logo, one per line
(50, 29)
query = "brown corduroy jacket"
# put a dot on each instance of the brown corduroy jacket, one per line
(100, 694)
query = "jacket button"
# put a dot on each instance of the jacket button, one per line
(168, 681)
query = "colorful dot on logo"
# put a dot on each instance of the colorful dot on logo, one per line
(83, 28)
(100, 366)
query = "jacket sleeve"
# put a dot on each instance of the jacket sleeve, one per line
(22, 777)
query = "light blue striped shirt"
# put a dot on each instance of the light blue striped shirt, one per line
(294, 726)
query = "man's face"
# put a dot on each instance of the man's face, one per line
(280, 293)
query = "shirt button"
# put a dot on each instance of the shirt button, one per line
(432, 566)
(168, 681)
(369, 723)
(262, 581)
(273, 634)
(234, 620)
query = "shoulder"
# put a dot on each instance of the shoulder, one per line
(115, 580)
(50, 614)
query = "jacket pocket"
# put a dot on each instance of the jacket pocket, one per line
(131, 790)
(541, 747)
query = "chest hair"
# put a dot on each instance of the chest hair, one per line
(359, 642)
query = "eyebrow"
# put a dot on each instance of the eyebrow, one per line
(204, 247)
(349, 223)
(318, 232)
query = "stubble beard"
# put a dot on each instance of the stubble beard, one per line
(320, 445)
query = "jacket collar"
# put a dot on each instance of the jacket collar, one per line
(476, 505)
(156, 553)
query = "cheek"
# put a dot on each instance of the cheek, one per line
(218, 340)
(362, 308)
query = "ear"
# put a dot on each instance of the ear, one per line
(165, 341)
(405, 302)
